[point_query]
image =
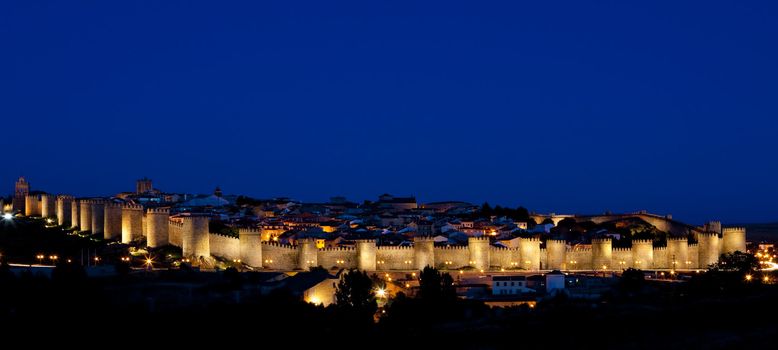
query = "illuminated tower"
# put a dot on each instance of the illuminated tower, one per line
(21, 191)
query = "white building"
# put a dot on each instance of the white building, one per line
(509, 285)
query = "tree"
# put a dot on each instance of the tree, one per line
(434, 286)
(355, 296)
(742, 263)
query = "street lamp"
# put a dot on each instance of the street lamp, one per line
(40, 259)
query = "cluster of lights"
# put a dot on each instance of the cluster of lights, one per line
(268, 261)
(407, 262)
(448, 262)
(340, 261)
(237, 261)
(514, 263)
(380, 292)
(380, 262)
(8, 216)
(185, 260)
(126, 259)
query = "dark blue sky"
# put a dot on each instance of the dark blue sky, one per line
(557, 106)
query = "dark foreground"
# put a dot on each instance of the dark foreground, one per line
(71, 309)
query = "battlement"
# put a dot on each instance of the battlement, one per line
(279, 245)
(221, 235)
(708, 235)
(601, 240)
(65, 197)
(424, 239)
(452, 247)
(727, 230)
(164, 211)
(129, 206)
(642, 241)
(338, 249)
(529, 239)
(193, 217)
(114, 205)
(693, 245)
(478, 239)
(249, 231)
(502, 248)
(394, 247)
(556, 241)
(175, 223)
(677, 239)
(367, 240)
(581, 249)
(620, 249)
(660, 249)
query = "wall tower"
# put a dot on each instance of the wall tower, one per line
(423, 252)
(733, 239)
(250, 246)
(602, 252)
(366, 253)
(195, 242)
(479, 250)
(556, 250)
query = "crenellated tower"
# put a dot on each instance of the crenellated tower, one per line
(195, 242)
(733, 239)
(479, 249)
(98, 216)
(642, 254)
(366, 254)
(529, 248)
(157, 227)
(132, 222)
(63, 210)
(85, 209)
(556, 251)
(709, 248)
(602, 253)
(112, 223)
(423, 252)
(308, 253)
(251, 246)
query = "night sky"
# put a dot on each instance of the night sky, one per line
(565, 107)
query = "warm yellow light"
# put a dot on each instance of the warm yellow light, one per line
(413, 274)
(380, 292)
(315, 300)
(407, 285)
(749, 277)
(766, 279)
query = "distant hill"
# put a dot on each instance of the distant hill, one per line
(761, 232)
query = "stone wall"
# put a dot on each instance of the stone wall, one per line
(451, 257)
(396, 258)
(342, 257)
(223, 246)
(643, 253)
(279, 256)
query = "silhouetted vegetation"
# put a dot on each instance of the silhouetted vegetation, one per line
(355, 297)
